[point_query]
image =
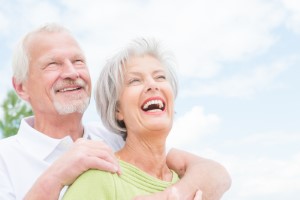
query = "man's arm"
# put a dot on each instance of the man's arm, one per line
(84, 155)
(197, 174)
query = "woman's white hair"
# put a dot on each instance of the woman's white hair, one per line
(109, 84)
(21, 57)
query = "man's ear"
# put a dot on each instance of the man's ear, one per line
(20, 89)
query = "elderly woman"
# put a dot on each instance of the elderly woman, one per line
(135, 97)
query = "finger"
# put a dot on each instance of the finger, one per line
(96, 149)
(100, 147)
(103, 157)
(198, 195)
(100, 164)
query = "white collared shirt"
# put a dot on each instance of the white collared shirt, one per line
(25, 156)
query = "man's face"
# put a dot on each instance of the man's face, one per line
(58, 80)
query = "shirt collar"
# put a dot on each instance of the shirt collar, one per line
(40, 144)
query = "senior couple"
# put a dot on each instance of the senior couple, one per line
(55, 156)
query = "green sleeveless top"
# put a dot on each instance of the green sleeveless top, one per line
(101, 185)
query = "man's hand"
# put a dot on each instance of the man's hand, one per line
(83, 155)
(170, 194)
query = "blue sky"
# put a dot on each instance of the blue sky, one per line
(238, 64)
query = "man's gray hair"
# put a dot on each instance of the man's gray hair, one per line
(21, 57)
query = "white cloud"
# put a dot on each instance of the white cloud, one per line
(266, 139)
(3, 23)
(254, 177)
(256, 173)
(201, 33)
(261, 78)
(193, 125)
(293, 16)
(25, 15)
(39, 16)
(5, 81)
(216, 31)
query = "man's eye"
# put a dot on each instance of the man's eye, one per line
(52, 65)
(79, 61)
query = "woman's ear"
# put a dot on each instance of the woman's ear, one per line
(119, 114)
(20, 89)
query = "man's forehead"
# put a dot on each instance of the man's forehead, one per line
(52, 40)
(44, 36)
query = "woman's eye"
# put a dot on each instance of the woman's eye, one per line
(134, 80)
(161, 77)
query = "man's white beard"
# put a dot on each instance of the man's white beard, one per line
(78, 106)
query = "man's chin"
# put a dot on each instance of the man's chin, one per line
(71, 108)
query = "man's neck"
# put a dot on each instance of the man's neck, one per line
(60, 126)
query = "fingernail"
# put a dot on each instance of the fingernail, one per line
(116, 168)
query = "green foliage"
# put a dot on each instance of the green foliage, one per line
(14, 109)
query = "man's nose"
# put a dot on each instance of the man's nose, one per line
(69, 70)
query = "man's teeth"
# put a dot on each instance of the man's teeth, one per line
(68, 89)
(157, 102)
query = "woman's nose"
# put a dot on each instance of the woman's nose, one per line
(152, 85)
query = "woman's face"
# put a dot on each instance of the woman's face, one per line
(146, 104)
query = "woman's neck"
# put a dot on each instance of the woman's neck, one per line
(147, 156)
